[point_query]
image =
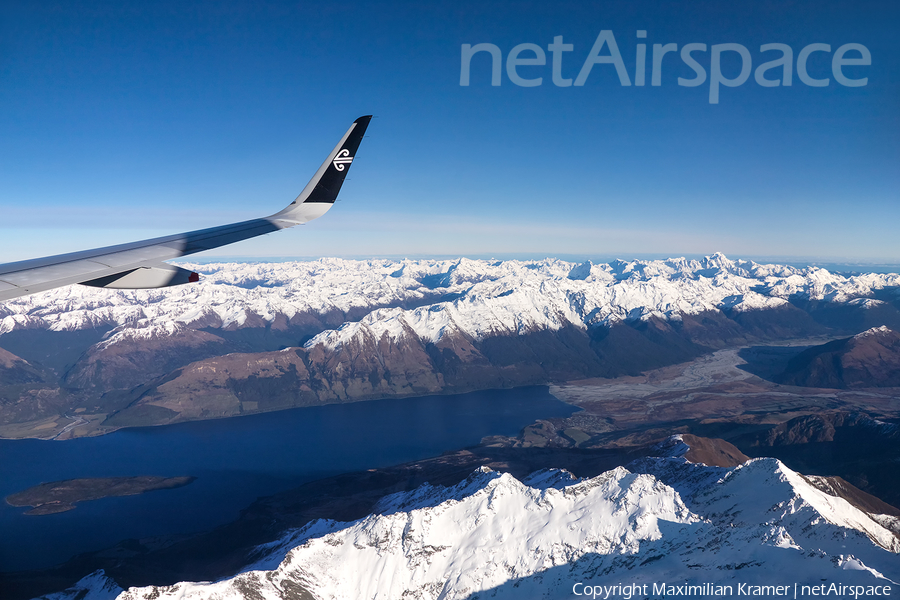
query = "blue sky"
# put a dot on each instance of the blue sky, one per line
(121, 120)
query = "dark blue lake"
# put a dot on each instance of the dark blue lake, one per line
(236, 461)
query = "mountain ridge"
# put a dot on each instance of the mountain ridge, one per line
(868, 359)
(542, 534)
(378, 328)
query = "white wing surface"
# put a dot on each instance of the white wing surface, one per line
(139, 265)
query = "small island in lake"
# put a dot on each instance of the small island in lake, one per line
(60, 496)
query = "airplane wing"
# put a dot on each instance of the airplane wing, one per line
(139, 265)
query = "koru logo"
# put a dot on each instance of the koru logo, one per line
(343, 158)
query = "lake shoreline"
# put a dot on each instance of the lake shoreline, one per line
(237, 461)
(91, 425)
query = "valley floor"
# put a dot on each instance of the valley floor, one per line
(722, 393)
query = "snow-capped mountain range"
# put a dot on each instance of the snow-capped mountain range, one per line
(661, 521)
(336, 330)
(479, 297)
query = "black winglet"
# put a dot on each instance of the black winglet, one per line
(338, 165)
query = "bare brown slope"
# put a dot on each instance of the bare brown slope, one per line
(16, 371)
(870, 359)
(713, 451)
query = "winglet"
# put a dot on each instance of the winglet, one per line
(322, 190)
(138, 264)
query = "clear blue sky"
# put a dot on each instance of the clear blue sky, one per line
(126, 120)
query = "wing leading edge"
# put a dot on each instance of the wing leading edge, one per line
(139, 265)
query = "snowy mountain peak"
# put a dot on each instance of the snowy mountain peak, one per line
(492, 533)
(673, 446)
(582, 271)
(96, 586)
(718, 260)
(874, 331)
(433, 298)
